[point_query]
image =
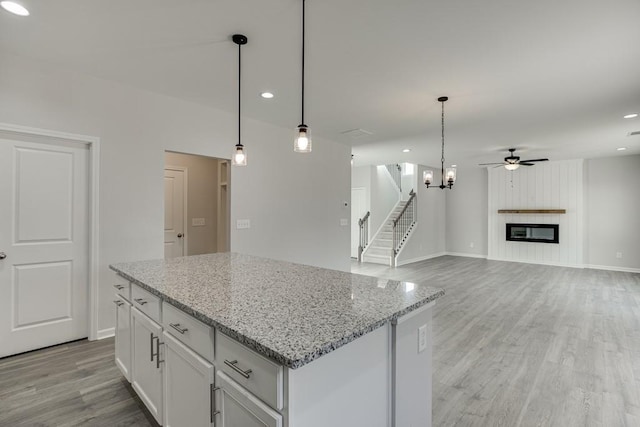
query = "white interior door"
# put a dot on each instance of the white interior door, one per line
(44, 275)
(358, 209)
(174, 215)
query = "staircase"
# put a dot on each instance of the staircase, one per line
(381, 250)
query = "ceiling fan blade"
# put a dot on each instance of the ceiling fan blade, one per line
(489, 164)
(534, 160)
(526, 164)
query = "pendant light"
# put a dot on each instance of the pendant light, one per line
(240, 156)
(302, 141)
(448, 174)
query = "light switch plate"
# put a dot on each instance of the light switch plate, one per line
(198, 222)
(243, 223)
(344, 221)
(422, 338)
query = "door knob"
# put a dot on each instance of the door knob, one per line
(3, 255)
(180, 235)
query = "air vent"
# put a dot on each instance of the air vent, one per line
(634, 133)
(356, 133)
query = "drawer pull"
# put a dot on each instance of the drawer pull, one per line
(118, 287)
(118, 302)
(233, 366)
(177, 327)
(140, 301)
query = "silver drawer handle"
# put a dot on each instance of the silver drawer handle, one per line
(118, 287)
(177, 327)
(233, 366)
(118, 302)
(140, 301)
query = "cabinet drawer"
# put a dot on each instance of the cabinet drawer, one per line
(195, 334)
(254, 372)
(122, 287)
(146, 302)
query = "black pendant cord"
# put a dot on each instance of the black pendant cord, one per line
(303, 43)
(442, 158)
(239, 91)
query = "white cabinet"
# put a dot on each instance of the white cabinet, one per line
(147, 365)
(188, 386)
(239, 408)
(123, 336)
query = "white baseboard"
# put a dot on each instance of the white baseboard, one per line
(612, 268)
(423, 258)
(553, 264)
(106, 333)
(466, 255)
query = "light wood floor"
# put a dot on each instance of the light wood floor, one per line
(514, 345)
(529, 345)
(74, 384)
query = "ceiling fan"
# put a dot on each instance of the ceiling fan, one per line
(513, 162)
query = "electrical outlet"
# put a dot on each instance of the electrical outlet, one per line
(344, 221)
(618, 254)
(243, 223)
(422, 338)
(197, 222)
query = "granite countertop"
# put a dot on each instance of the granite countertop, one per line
(291, 313)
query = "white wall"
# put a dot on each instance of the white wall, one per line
(429, 236)
(467, 213)
(549, 185)
(613, 206)
(294, 201)
(361, 178)
(384, 196)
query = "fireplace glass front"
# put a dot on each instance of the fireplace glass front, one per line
(540, 233)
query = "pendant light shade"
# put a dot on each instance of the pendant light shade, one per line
(302, 140)
(239, 158)
(448, 175)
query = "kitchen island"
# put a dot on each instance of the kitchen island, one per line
(252, 341)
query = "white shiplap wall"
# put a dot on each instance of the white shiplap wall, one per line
(549, 185)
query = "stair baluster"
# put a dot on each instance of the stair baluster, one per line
(363, 224)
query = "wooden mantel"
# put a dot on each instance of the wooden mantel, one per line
(532, 211)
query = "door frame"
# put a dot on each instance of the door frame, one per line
(93, 144)
(185, 193)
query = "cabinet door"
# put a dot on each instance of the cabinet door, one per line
(123, 336)
(188, 382)
(239, 408)
(146, 369)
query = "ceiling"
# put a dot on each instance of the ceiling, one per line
(551, 78)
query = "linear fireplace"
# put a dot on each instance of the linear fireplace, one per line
(540, 233)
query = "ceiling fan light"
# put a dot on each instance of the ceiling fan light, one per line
(511, 166)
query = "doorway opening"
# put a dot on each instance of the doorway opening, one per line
(196, 205)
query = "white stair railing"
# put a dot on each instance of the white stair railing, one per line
(363, 224)
(402, 225)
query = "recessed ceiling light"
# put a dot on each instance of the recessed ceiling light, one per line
(622, 148)
(406, 150)
(14, 8)
(266, 95)
(631, 116)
